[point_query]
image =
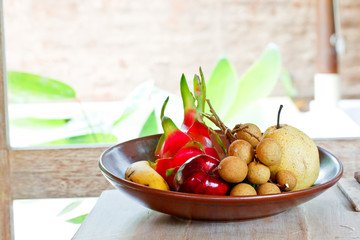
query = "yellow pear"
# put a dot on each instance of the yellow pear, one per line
(299, 154)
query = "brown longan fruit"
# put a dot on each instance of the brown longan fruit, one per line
(268, 151)
(248, 132)
(243, 189)
(233, 169)
(268, 188)
(258, 173)
(286, 180)
(242, 149)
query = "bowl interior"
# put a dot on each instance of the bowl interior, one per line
(330, 167)
(116, 159)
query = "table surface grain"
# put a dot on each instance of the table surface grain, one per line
(328, 216)
(116, 216)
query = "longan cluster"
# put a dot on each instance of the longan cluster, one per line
(248, 164)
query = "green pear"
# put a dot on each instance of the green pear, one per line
(299, 154)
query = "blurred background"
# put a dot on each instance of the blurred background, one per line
(96, 71)
(104, 49)
(132, 53)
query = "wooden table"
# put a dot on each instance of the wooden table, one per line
(328, 216)
(116, 216)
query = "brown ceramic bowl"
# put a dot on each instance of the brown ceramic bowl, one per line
(115, 160)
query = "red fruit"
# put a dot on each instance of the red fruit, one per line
(162, 165)
(199, 132)
(188, 99)
(199, 175)
(212, 152)
(190, 150)
(170, 175)
(171, 141)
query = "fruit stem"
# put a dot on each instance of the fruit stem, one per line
(278, 117)
(216, 120)
(241, 127)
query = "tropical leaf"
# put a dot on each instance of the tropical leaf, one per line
(288, 84)
(150, 126)
(69, 208)
(140, 95)
(38, 123)
(31, 88)
(77, 220)
(83, 139)
(221, 87)
(256, 83)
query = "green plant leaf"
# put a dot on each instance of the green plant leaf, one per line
(77, 220)
(137, 97)
(220, 88)
(31, 88)
(38, 123)
(288, 85)
(69, 208)
(83, 139)
(150, 126)
(256, 83)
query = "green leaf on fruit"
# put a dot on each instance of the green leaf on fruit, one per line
(169, 172)
(31, 88)
(256, 83)
(150, 126)
(152, 164)
(163, 108)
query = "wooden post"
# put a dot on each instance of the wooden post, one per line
(6, 230)
(326, 52)
(326, 80)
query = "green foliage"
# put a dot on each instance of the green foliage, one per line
(77, 220)
(38, 123)
(69, 208)
(220, 88)
(231, 95)
(288, 85)
(150, 126)
(100, 138)
(31, 88)
(134, 100)
(257, 82)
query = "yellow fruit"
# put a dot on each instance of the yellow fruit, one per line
(299, 154)
(140, 172)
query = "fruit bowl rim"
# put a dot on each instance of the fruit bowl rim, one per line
(201, 197)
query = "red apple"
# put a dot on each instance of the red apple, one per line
(199, 175)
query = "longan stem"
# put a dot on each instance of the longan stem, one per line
(241, 127)
(216, 120)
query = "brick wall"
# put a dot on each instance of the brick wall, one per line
(104, 48)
